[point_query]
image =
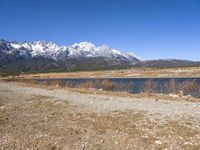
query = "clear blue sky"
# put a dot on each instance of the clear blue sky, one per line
(151, 29)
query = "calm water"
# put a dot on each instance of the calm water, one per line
(133, 85)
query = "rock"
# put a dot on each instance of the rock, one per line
(117, 131)
(158, 142)
(3, 107)
(188, 143)
(145, 136)
(82, 147)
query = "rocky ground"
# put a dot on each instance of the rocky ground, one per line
(39, 118)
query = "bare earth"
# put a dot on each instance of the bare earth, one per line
(39, 118)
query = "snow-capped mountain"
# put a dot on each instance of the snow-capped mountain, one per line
(52, 51)
(86, 49)
(44, 56)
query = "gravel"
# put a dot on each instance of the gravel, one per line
(162, 109)
(41, 118)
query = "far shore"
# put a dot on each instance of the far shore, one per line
(185, 72)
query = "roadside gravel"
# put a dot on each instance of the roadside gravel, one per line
(104, 103)
(50, 119)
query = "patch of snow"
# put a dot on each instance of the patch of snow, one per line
(16, 46)
(82, 49)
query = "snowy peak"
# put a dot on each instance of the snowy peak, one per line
(87, 46)
(42, 56)
(87, 49)
(53, 51)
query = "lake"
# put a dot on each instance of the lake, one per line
(190, 86)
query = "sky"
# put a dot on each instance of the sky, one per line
(152, 29)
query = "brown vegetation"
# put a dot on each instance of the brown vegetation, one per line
(134, 72)
(191, 87)
(150, 86)
(107, 85)
(115, 89)
(187, 87)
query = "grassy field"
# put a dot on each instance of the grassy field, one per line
(127, 73)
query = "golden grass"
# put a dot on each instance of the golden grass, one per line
(129, 95)
(127, 73)
(40, 97)
(85, 90)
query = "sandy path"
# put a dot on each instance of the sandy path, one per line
(102, 103)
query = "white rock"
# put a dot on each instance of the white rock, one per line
(158, 142)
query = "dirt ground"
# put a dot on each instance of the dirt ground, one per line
(38, 118)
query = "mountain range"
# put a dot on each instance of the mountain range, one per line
(42, 56)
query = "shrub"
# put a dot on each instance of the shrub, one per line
(150, 86)
(173, 87)
(56, 83)
(87, 84)
(123, 86)
(107, 85)
(165, 88)
(191, 87)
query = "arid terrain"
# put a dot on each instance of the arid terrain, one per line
(126, 73)
(184, 72)
(33, 117)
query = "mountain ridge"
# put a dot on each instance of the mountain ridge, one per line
(42, 56)
(56, 52)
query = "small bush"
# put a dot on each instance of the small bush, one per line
(123, 86)
(173, 87)
(150, 86)
(107, 85)
(87, 84)
(57, 83)
(191, 88)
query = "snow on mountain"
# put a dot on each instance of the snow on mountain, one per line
(87, 49)
(53, 51)
(16, 46)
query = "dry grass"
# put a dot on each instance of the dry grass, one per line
(134, 72)
(140, 95)
(107, 85)
(40, 97)
(88, 88)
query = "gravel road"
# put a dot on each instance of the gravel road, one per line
(102, 103)
(62, 119)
